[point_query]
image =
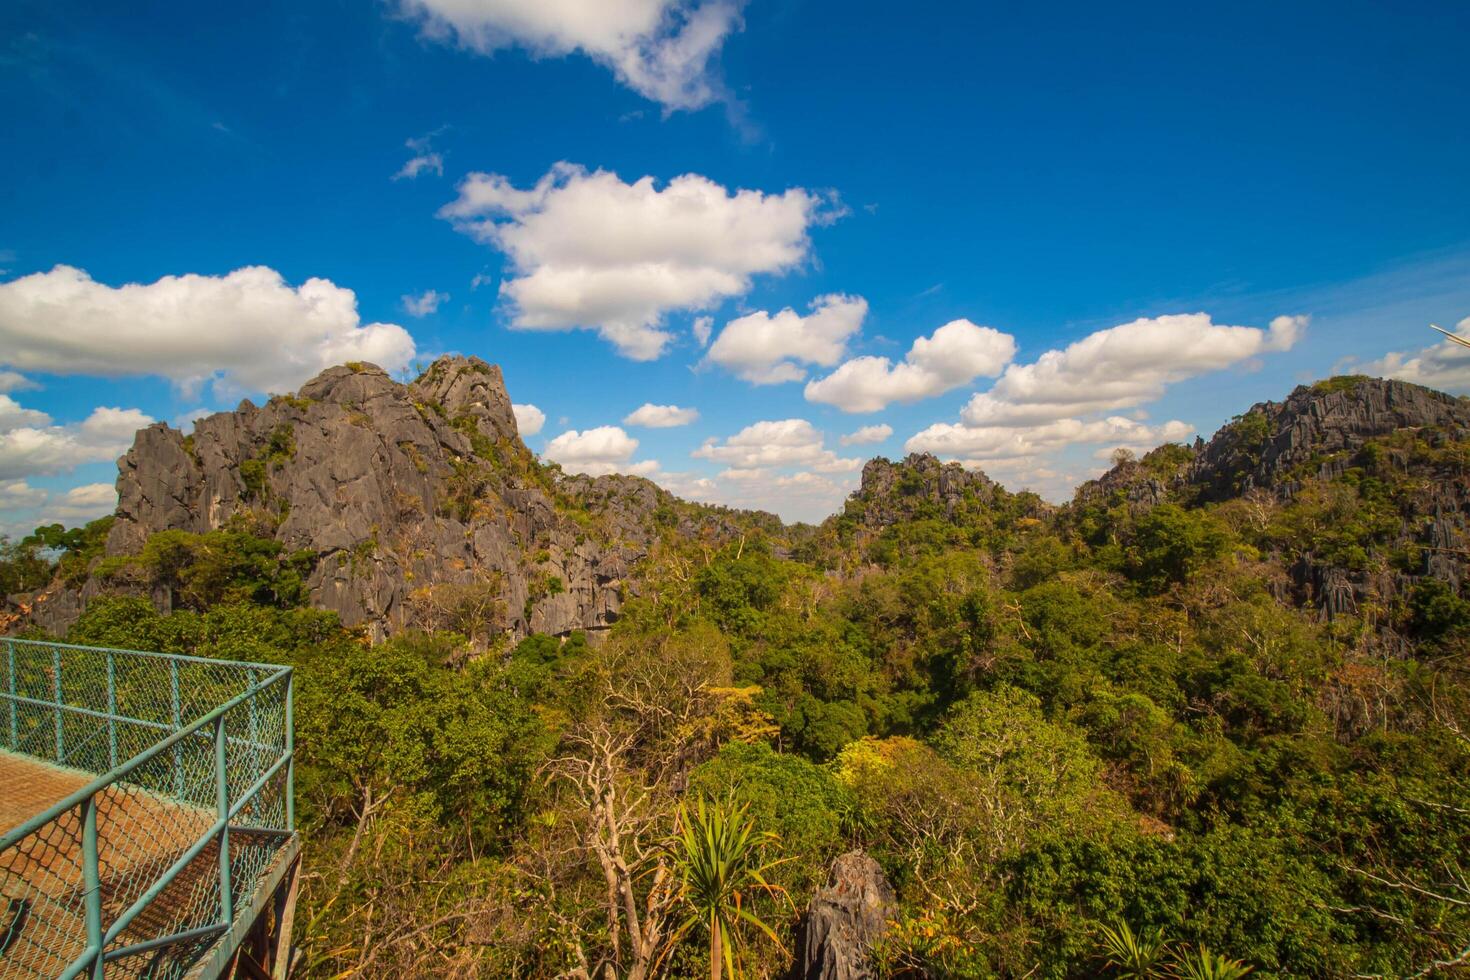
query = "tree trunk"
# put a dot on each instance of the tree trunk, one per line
(715, 949)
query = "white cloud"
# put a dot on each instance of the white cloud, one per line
(799, 496)
(24, 507)
(18, 494)
(1445, 365)
(981, 443)
(248, 330)
(1123, 366)
(956, 354)
(653, 416)
(867, 435)
(660, 49)
(15, 381)
(598, 452)
(80, 505)
(592, 252)
(39, 447)
(764, 445)
(424, 159)
(420, 164)
(701, 329)
(529, 419)
(765, 349)
(424, 304)
(15, 416)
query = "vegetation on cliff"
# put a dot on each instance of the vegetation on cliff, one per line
(1218, 704)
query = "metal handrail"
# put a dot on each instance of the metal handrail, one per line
(100, 934)
(152, 752)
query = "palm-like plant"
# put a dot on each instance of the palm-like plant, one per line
(1201, 964)
(1134, 955)
(722, 859)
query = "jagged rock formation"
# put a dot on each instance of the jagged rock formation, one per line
(845, 919)
(892, 492)
(1269, 445)
(419, 502)
(1277, 452)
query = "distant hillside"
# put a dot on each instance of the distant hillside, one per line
(1357, 487)
(418, 505)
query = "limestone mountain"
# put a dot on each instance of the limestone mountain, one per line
(413, 505)
(1358, 487)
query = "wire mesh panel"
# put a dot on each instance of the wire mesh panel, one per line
(147, 863)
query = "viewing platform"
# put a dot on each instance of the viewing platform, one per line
(146, 819)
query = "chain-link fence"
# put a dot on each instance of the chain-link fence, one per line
(151, 795)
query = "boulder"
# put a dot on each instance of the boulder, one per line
(847, 916)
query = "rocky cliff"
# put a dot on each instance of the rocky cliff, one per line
(1374, 473)
(419, 504)
(1315, 430)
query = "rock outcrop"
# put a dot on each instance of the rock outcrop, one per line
(419, 502)
(1269, 446)
(1408, 439)
(918, 485)
(845, 919)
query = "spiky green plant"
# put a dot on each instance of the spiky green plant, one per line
(1199, 963)
(1134, 955)
(722, 860)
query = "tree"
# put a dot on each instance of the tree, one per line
(1133, 955)
(721, 859)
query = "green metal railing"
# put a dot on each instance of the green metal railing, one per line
(167, 790)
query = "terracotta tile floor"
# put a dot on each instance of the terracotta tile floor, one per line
(27, 787)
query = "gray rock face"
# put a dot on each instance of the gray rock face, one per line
(1275, 438)
(420, 503)
(845, 919)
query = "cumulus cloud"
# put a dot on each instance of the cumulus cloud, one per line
(983, 443)
(248, 330)
(867, 435)
(598, 452)
(1445, 365)
(954, 355)
(30, 445)
(799, 496)
(529, 419)
(81, 504)
(652, 416)
(765, 349)
(18, 494)
(15, 416)
(592, 252)
(661, 49)
(15, 381)
(784, 443)
(1123, 366)
(425, 303)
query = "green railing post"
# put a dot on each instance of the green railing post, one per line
(255, 749)
(290, 751)
(56, 669)
(173, 671)
(222, 800)
(10, 665)
(111, 710)
(92, 884)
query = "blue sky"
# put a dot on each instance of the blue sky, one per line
(1067, 228)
